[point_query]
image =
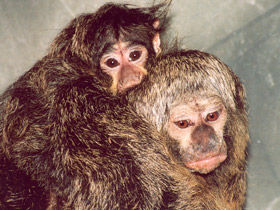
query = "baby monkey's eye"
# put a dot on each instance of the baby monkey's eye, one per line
(112, 63)
(182, 124)
(213, 116)
(135, 55)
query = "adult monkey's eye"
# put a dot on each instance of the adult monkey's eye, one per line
(112, 63)
(135, 55)
(212, 116)
(182, 124)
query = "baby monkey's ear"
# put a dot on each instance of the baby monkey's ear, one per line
(156, 39)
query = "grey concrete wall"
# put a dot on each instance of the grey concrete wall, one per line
(243, 33)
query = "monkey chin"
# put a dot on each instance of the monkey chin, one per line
(206, 165)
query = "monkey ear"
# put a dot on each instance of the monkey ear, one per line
(156, 43)
(156, 24)
(156, 39)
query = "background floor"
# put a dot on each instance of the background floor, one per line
(245, 34)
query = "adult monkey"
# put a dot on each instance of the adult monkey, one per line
(45, 161)
(199, 104)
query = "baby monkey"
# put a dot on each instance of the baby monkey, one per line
(114, 43)
(45, 152)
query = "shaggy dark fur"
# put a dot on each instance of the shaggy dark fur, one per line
(62, 132)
